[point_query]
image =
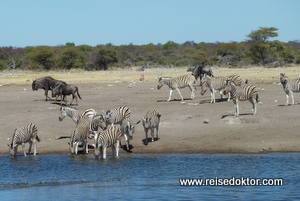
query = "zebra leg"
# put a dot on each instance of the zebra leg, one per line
(76, 147)
(170, 96)
(34, 147)
(192, 88)
(177, 89)
(152, 134)
(146, 132)
(212, 95)
(30, 145)
(254, 104)
(156, 132)
(104, 152)
(292, 96)
(117, 148)
(228, 97)
(113, 149)
(236, 106)
(23, 148)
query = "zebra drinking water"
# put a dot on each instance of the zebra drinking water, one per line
(247, 92)
(116, 116)
(177, 83)
(27, 133)
(82, 132)
(151, 121)
(109, 138)
(214, 83)
(128, 128)
(75, 114)
(289, 87)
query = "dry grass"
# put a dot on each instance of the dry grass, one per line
(131, 75)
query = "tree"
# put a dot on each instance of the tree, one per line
(42, 56)
(259, 43)
(103, 57)
(72, 58)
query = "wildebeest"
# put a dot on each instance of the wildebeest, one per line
(46, 83)
(201, 70)
(64, 90)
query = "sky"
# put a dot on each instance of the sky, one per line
(122, 22)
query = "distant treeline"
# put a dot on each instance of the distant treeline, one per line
(256, 50)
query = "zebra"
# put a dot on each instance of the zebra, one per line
(111, 137)
(238, 80)
(214, 83)
(75, 114)
(117, 115)
(127, 129)
(82, 130)
(289, 87)
(178, 82)
(247, 92)
(151, 121)
(27, 133)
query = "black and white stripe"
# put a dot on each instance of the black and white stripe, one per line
(177, 83)
(247, 92)
(27, 133)
(151, 121)
(128, 129)
(82, 132)
(111, 137)
(214, 84)
(75, 114)
(237, 79)
(290, 86)
(116, 116)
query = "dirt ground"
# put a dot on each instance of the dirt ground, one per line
(189, 126)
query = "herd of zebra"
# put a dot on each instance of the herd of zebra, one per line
(88, 121)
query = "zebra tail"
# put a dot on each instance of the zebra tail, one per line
(78, 92)
(37, 138)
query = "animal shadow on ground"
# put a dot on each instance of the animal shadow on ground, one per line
(217, 101)
(288, 105)
(232, 115)
(124, 147)
(174, 100)
(149, 140)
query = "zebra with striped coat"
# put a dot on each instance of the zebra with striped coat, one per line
(128, 129)
(177, 83)
(75, 114)
(214, 83)
(27, 133)
(238, 80)
(111, 137)
(151, 121)
(289, 87)
(117, 115)
(247, 92)
(82, 132)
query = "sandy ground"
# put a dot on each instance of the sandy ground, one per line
(189, 126)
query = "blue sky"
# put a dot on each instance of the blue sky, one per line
(121, 22)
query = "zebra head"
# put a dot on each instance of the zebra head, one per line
(230, 86)
(160, 82)
(12, 149)
(146, 122)
(63, 113)
(283, 78)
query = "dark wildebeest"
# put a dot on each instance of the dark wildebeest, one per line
(64, 90)
(46, 83)
(201, 70)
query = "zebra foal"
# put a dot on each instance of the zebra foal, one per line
(75, 114)
(289, 87)
(177, 83)
(27, 133)
(83, 130)
(151, 122)
(111, 137)
(247, 92)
